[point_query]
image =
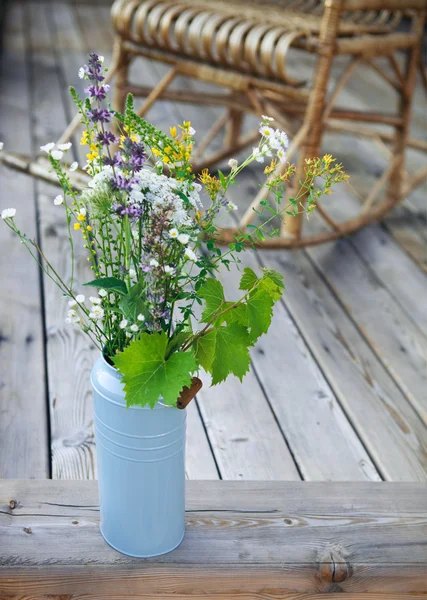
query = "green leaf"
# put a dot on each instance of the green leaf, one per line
(237, 314)
(177, 339)
(204, 349)
(109, 283)
(148, 375)
(260, 313)
(222, 179)
(212, 293)
(248, 279)
(231, 353)
(133, 303)
(275, 276)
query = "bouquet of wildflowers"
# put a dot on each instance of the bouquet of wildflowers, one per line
(152, 247)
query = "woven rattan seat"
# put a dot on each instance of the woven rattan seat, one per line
(246, 47)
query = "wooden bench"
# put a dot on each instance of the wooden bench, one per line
(246, 540)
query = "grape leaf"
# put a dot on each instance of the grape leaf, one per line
(237, 314)
(231, 353)
(204, 349)
(274, 276)
(148, 376)
(260, 313)
(212, 293)
(248, 279)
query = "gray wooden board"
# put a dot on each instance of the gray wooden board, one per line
(70, 353)
(265, 539)
(23, 411)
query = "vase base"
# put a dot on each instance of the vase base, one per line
(140, 555)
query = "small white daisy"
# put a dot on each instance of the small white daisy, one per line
(58, 200)
(190, 254)
(183, 238)
(232, 206)
(64, 147)
(57, 154)
(134, 327)
(132, 273)
(94, 300)
(191, 131)
(266, 131)
(74, 166)
(232, 163)
(265, 118)
(140, 317)
(80, 298)
(48, 147)
(128, 334)
(102, 293)
(123, 324)
(154, 263)
(112, 298)
(81, 72)
(72, 303)
(8, 213)
(97, 313)
(169, 270)
(174, 233)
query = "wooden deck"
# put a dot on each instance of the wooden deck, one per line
(338, 388)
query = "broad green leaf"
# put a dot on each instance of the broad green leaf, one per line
(237, 314)
(148, 375)
(176, 341)
(260, 313)
(275, 276)
(204, 349)
(133, 303)
(248, 279)
(109, 283)
(212, 293)
(231, 353)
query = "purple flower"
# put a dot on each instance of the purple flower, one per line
(100, 93)
(133, 211)
(106, 138)
(119, 182)
(99, 114)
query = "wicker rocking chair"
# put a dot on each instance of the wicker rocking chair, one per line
(243, 47)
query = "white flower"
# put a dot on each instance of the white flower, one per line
(265, 118)
(266, 131)
(232, 163)
(174, 233)
(1, 146)
(183, 238)
(58, 200)
(266, 150)
(232, 206)
(140, 317)
(123, 324)
(114, 317)
(97, 313)
(102, 293)
(101, 58)
(48, 147)
(57, 154)
(128, 334)
(8, 213)
(132, 273)
(80, 298)
(281, 155)
(154, 263)
(81, 73)
(64, 147)
(112, 298)
(74, 166)
(94, 300)
(134, 327)
(191, 131)
(72, 303)
(190, 254)
(257, 154)
(72, 313)
(169, 270)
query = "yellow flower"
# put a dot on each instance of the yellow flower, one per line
(155, 151)
(270, 168)
(166, 159)
(80, 217)
(76, 226)
(167, 150)
(173, 131)
(89, 228)
(92, 156)
(85, 138)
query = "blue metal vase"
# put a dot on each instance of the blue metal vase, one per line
(141, 469)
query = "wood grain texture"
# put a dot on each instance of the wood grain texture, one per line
(246, 539)
(23, 411)
(70, 354)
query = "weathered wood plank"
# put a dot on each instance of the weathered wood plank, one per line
(253, 540)
(24, 448)
(70, 354)
(387, 424)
